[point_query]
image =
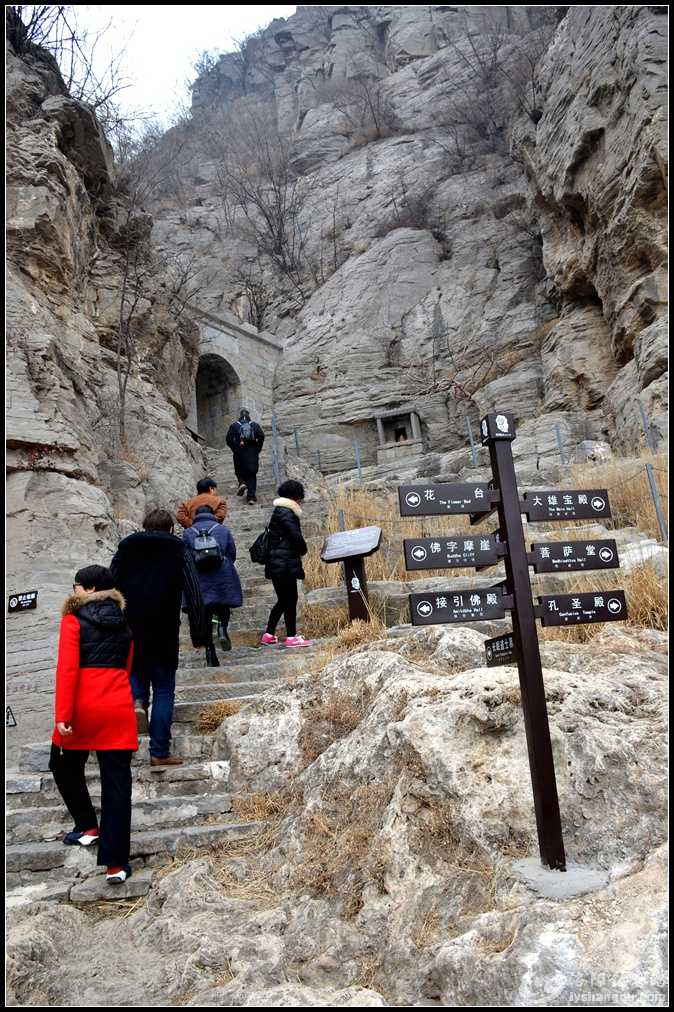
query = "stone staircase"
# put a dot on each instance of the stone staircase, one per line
(188, 806)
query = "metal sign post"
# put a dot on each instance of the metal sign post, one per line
(514, 594)
(498, 431)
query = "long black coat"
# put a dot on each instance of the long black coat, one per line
(287, 543)
(246, 458)
(153, 569)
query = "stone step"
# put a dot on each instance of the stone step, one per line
(210, 692)
(45, 856)
(45, 823)
(97, 889)
(149, 782)
(286, 662)
(189, 713)
(34, 758)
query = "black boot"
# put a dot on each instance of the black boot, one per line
(211, 657)
(224, 639)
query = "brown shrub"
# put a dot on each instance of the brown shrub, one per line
(212, 716)
(331, 718)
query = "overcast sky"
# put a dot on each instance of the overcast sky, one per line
(162, 42)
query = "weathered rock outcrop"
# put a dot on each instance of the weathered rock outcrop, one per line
(392, 876)
(69, 485)
(463, 258)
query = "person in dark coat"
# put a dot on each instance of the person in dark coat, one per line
(220, 584)
(245, 439)
(284, 564)
(94, 710)
(153, 569)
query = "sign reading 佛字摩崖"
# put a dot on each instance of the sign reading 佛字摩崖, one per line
(450, 550)
(578, 609)
(458, 606)
(21, 602)
(438, 500)
(500, 650)
(586, 504)
(566, 556)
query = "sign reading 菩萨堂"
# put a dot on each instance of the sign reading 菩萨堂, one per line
(568, 556)
(457, 606)
(22, 601)
(577, 609)
(585, 504)
(450, 550)
(439, 500)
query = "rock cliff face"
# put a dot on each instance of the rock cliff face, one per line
(70, 488)
(482, 239)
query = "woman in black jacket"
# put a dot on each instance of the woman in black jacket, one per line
(284, 566)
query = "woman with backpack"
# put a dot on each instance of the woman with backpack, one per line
(283, 565)
(94, 710)
(214, 554)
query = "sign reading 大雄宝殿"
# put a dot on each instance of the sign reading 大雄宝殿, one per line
(586, 504)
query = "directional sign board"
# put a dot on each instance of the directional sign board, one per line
(22, 601)
(458, 606)
(439, 500)
(577, 609)
(585, 504)
(565, 556)
(500, 650)
(450, 550)
(346, 544)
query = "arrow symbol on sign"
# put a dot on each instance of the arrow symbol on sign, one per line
(605, 554)
(598, 503)
(614, 605)
(419, 553)
(425, 608)
(413, 499)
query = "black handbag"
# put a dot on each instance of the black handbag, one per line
(259, 550)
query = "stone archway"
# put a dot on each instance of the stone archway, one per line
(218, 392)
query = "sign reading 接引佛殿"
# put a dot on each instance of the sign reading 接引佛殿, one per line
(457, 606)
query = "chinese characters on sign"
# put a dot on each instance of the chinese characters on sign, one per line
(450, 550)
(457, 606)
(590, 504)
(576, 609)
(500, 650)
(565, 556)
(436, 500)
(23, 601)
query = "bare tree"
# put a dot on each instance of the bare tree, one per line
(364, 102)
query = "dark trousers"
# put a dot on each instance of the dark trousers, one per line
(286, 605)
(115, 828)
(250, 481)
(150, 672)
(219, 611)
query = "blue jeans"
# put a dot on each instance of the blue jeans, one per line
(146, 673)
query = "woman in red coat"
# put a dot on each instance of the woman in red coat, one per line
(94, 710)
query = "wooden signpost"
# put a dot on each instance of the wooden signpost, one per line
(514, 594)
(351, 548)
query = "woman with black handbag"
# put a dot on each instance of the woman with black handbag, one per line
(283, 566)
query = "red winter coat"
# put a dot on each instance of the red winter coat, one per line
(93, 692)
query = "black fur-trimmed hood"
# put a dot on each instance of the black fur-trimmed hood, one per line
(75, 602)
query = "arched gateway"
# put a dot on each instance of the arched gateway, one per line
(236, 369)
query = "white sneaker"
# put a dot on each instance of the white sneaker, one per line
(119, 876)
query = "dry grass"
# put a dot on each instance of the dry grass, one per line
(212, 716)
(629, 494)
(332, 717)
(645, 592)
(253, 888)
(427, 930)
(320, 621)
(336, 859)
(261, 806)
(346, 638)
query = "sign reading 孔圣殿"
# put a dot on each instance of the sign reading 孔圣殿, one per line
(585, 504)
(579, 609)
(439, 500)
(568, 556)
(457, 606)
(450, 550)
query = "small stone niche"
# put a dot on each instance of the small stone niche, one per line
(398, 435)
